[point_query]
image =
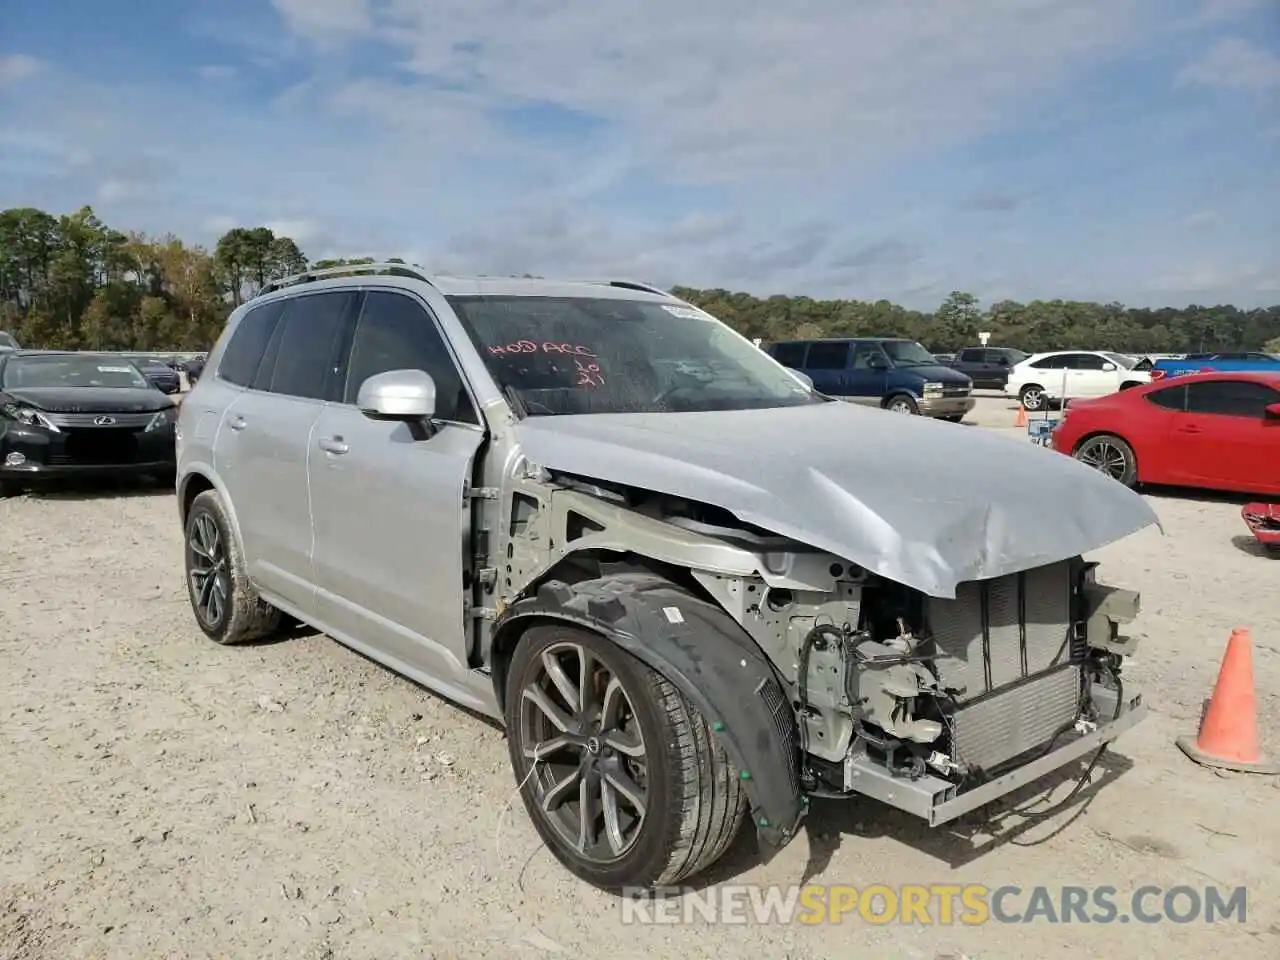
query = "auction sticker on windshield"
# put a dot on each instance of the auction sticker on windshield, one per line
(115, 369)
(687, 313)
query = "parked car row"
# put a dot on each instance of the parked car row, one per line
(66, 414)
(894, 374)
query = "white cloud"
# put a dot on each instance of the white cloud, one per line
(217, 71)
(1236, 64)
(730, 142)
(16, 67)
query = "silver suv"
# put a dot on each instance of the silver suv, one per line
(693, 589)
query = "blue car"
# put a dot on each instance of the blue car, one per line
(1211, 362)
(898, 375)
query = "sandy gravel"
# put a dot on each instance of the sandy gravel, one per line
(164, 797)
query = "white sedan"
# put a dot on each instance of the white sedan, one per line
(1045, 378)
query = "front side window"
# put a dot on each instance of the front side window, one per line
(908, 353)
(580, 355)
(396, 333)
(71, 371)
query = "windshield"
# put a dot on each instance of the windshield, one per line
(70, 372)
(572, 355)
(908, 353)
(1127, 363)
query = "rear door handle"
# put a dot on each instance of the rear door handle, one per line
(333, 445)
(1189, 429)
(237, 423)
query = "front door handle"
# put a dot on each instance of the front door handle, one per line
(237, 423)
(333, 445)
(1190, 428)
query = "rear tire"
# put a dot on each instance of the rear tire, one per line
(226, 606)
(1111, 455)
(663, 799)
(1032, 398)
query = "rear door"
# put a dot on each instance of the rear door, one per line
(392, 526)
(265, 437)
(827, 364)
(1228, 440)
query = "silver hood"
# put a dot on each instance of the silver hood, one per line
(925, 503)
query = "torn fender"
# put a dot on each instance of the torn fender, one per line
(713, 662)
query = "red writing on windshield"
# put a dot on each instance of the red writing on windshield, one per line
(528, 346)
(589, 374)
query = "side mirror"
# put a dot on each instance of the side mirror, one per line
(1108, 367)
(802, 377)
(398, 395)
(1003, 361)
(878, 363)
(1272, 411)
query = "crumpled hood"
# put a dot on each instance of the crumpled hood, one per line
(921, 502)
(90, 399)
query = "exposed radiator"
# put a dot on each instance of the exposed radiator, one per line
(1006, 650)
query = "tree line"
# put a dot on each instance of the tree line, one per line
(72, 282)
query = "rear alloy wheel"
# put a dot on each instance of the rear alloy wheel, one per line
(227, 607)
(1110, 455)
(1032, 397)
(901, 403)
(622, 777)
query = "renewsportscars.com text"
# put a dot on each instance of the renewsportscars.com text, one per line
(933, 904)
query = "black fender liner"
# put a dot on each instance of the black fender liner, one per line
(714, 663)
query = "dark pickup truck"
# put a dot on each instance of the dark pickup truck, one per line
(987, 367)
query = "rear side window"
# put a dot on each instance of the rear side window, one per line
(306, 347)
(790, 355)
(244, 352)
(397, 333)
(828, 356)
(1058, 362)
(1085, 361)
(1230, 398)
(1171, 398)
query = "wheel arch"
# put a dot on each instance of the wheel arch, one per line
(700, 649)
(198, 480)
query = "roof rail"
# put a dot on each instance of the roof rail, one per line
(346, 270)
(634, 285)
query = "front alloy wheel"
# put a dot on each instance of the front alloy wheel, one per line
(578, 729)
(622, 778)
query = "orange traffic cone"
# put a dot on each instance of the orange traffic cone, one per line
(1228, 736)
(1021, 419)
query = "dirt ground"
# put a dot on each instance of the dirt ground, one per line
(161, 797)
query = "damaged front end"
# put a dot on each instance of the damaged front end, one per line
(939, 706)
(936, 706)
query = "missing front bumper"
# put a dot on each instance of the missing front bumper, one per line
(938, 801)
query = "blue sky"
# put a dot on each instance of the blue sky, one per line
(1101, 149)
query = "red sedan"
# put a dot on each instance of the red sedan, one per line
(1218, 431)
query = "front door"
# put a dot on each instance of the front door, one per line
(392, 526)
(868, 374)
(1225, 438)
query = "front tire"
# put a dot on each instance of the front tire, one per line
(902, 403)
(1111, 455)
(621, 776)
(226, 606)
